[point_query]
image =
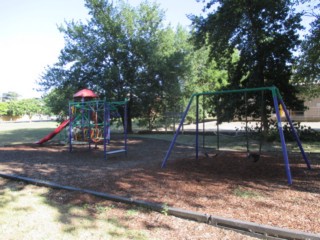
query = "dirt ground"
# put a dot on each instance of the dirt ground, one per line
(226, 184)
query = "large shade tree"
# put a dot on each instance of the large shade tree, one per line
(3, 108)
(121, 52)
(9, 96)
(264, 33)
(307, 74)
(18, 108)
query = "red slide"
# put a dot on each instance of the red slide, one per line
(55, 132)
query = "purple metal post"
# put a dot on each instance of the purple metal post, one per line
(218, 136)
(105, 120)
(176, 134)
(89, 128)
(82, 118)
(295, 134)
(125, 126)
(203, 124)
(283, 143)
(70, 128)
(197, 127)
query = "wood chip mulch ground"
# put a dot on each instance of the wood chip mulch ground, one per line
(226, 184)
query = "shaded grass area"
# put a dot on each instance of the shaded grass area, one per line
(232, 141)
(27, 213)
(30, 132)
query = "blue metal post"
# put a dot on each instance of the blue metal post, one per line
(295, 134)
(176, 134)
(197, 127)
(283, 143)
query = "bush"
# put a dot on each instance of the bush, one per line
(305, 133)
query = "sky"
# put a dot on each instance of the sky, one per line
(30, 40)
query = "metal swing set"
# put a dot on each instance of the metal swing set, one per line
(277, 101)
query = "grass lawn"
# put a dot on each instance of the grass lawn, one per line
(25, 132)
(30, 132)
(231, 142)
(26, 213)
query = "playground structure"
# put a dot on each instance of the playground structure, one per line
(279, 107)
(90, 122)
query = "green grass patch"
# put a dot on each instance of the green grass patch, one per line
(231, 142)
(27, 132)
(132, 212)
(31, 132)
(26, 212)
(244, 193)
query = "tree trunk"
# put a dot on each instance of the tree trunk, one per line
(129, 118)
(129, 124)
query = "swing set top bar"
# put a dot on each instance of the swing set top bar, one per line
(273, 89)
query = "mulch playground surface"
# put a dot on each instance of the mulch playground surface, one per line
(227, 184)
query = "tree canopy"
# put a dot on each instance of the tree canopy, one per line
(128, 52)
(9, 96)
(3, 108)
(307, 71)
(122, 52)
(18, 108)
(264, 33)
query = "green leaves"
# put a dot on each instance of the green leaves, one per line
(16, 108)
(123, 52)
(264, 33)
(3, 108)
(308, 66)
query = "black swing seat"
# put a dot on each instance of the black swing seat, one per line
(254, 156)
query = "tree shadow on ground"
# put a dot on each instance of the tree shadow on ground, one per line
(207, 185)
